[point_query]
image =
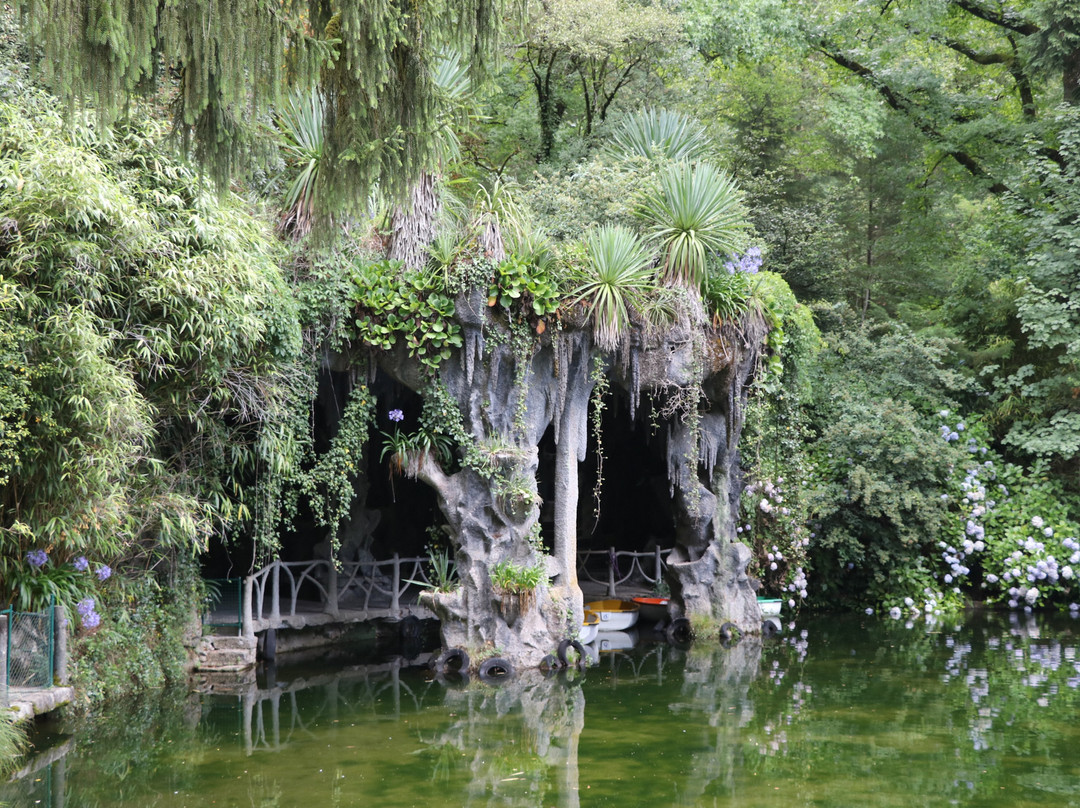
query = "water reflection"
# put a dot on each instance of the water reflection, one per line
(834, 712)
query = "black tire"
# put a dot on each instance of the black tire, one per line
(769, 629)
(409, 628)
(566, 644)
(494, 669)
(550, 664)
(729, 632)
(679, 631)
(452, 660)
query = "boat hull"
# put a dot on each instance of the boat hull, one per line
(615, 615)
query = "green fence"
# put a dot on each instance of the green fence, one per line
(224, 603)
(28, 649)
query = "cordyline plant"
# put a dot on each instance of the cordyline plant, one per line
(694, 212)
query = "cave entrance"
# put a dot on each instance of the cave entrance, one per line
(636, 510)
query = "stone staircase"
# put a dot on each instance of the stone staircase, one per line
(216, 652)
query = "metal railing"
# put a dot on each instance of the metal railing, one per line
(616, 567)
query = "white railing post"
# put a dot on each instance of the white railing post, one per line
(612, 560)
(275, 594)
(397, 583)
(247, 623)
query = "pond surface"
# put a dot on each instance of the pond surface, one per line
(836, 712)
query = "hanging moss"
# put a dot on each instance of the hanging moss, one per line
(230, 62)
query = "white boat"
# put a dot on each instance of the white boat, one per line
(615, 615)
(589, 627)
(770, 607)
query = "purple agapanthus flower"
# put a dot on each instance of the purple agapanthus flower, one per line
(747, 264)
(81, 564)
(37, 558)
(91, 620)
(103, 572)
(85, 607)
(396, 415)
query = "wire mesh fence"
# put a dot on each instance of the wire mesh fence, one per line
(27, 648)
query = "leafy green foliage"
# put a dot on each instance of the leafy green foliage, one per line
(153, 344)
(695, 211)
(521, 283)
(301, 126)
(510, 577)
(661, 134)
(411, 305)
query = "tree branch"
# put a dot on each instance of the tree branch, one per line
(1003, 19)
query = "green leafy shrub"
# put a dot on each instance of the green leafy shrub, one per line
(413, 306)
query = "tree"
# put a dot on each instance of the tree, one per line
(601, 45)
(224, 65)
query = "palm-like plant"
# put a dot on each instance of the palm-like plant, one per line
(301, 127)
(695, 211)
(661, 134)
(619, 278)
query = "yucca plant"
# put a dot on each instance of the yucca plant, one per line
(661, 134)
(301, 127)
(695, 211)
(619, 277)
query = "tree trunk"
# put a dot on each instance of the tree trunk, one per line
(412, 229)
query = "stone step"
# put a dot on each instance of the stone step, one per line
(223, 642)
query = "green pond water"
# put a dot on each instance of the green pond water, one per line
(835, 712)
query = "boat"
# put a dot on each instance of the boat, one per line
(770, 607)
(652, 609)
(615, 615)
(589, 627)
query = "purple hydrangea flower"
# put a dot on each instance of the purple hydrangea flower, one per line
(85, 607)
(81, 564)
(37, 558)
(91, 620)
(396, 415)
(103, 572)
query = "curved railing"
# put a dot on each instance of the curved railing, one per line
(613, 567)
(274, 592)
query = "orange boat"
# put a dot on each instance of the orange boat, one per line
(653, 609)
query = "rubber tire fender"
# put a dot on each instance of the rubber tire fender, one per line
(679, 631)
(447, 659)
(728, 632)
(769, 629)
(494, 669)
(567, 644)
(549, 664)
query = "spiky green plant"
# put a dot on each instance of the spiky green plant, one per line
(301, 127)
(661, 134)
(619, 278)
(695, 211)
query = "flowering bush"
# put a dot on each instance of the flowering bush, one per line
(774, 525)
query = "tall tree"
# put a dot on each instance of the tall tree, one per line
(229, 62)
